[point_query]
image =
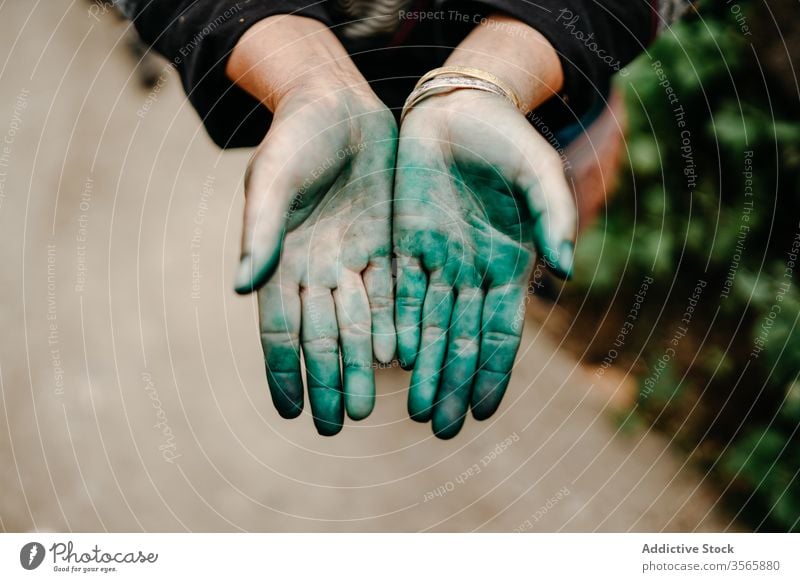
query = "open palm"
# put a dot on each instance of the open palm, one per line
(317, 237)
(478, 192)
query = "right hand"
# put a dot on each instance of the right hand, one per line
(316, 246)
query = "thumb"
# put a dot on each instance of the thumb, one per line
(552, 205)
(267, 196)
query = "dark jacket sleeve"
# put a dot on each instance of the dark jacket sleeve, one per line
(197, 37)
(594, 38)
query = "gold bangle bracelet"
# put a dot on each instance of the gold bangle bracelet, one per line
(473, 73)
(443, 85)
(447, 79)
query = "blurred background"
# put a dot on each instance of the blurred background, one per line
(707, 207)
(132, 388)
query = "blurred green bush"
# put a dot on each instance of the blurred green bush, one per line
(707, 207)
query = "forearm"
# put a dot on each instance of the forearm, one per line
(593, 40)
(285, 55)
(197, 37)
(517, 54)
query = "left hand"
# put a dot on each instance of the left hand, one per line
(478, 193)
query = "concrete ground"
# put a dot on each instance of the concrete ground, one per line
(133, 392)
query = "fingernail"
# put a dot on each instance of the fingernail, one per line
(561, 261)
(566, 259)
(244, 276)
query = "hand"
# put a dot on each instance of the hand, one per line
(317, 237)
(478, 191)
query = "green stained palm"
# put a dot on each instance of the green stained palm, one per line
(317, 245)
(478, 192)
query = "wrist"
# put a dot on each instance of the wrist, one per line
(516, 53)
(283, 56)
(451, 79)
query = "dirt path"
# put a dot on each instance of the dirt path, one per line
(133, 391)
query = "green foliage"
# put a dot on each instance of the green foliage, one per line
(709, 194)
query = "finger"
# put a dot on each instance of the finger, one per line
(552, 205)
(279, 315)
(452, 400)
(436, 312)
(378, 282)
(266, 185)
(353, 318)
(411, 287)
(501, 333)
(320, 339)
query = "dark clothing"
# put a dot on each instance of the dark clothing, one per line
(594, 38)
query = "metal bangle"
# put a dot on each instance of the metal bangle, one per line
(449, 79)
(445, 85)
